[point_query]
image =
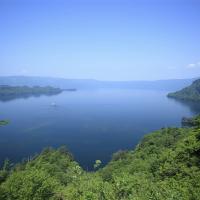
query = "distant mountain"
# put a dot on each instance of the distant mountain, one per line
(48, 81)
(169, 85)
(191, 92)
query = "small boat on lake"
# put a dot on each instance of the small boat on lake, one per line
(70, 89)
(53, 104)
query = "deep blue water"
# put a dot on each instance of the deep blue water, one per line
(92, 124)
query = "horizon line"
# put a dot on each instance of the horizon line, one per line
(93, 79)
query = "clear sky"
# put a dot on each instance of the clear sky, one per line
(100, 39)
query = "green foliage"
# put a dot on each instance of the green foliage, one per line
(4, 172)
(97, 164)
(191, 92)
(165, 165)
(12, 92)
(191, 122)
(119, 155)
(29, 184)
(4, 122)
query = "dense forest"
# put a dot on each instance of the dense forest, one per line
(17, 90)
(191, 92)
(12, 92)
(165, 165)
(3, 122)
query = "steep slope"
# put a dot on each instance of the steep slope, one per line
(165, 165)
(191, 92)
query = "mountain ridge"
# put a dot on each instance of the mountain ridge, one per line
(191, 93)
(63, 83)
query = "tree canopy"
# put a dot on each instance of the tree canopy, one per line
(191, 92)
(13, 92)
(164, 165)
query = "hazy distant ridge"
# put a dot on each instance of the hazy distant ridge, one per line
(170, 85)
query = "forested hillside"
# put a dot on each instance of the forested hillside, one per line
(13, 92)
(191, 92)
(164, 165)
(6, 90)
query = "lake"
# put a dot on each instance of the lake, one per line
(93, 124)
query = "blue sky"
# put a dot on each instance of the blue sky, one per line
(100, 39)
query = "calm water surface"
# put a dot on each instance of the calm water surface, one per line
(92, 124)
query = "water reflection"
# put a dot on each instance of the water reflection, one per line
(194, 106)
(92, 124)
(5, 98)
